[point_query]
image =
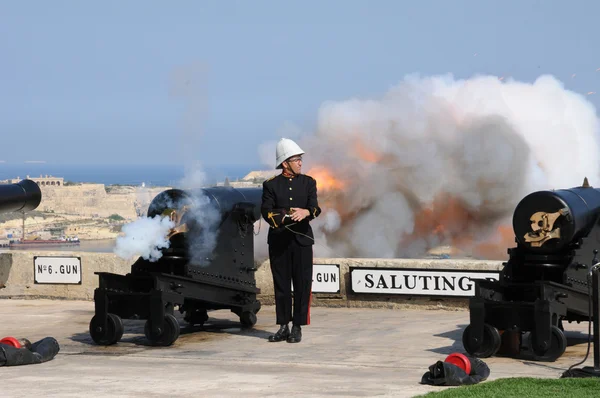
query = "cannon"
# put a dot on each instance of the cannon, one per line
(209, 265)
(545, 280)
(22, 196)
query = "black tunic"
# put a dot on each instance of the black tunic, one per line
(279, 195)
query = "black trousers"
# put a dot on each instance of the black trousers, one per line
(292, 264)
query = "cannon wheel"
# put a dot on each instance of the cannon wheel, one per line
(558, 345)
(248, 319)
(113, 333)
(169, 334)
(490, 345)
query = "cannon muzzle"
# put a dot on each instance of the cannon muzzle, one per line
(22, 196)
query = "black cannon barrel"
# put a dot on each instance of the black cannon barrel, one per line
(208, 209)
(573, 212)
(222, 198)
(22, 196)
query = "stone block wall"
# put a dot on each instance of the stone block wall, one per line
(17, 279)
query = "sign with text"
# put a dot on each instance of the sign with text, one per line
(422, 282)
(57, 270)
(326, 278)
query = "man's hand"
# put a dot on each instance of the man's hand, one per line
(299, 214)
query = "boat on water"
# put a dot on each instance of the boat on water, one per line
(32, 242)
(38, 241)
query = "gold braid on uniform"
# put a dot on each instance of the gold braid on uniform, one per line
(271, 215)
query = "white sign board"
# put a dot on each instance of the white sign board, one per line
(326, 278)
(57, 270)
(432, 282)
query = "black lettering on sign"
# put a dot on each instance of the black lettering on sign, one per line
(62, 269)
(381, 283)
(40, 269)
(447, 283)
(424, 278)
(394, 282)
(369, 280)
(463, 287)
(326, 277)
(408, 284)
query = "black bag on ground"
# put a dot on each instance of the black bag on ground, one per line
(447, 374)
(41, 351)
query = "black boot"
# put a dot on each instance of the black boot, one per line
(296, 335)
(281, 335)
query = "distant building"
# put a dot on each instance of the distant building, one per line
(260, 175)
(252, 179)
(42, 181)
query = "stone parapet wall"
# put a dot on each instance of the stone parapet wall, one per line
(17, 279)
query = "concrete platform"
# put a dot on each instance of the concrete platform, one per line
(349, 352)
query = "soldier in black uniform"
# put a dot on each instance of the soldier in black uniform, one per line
(289, 203)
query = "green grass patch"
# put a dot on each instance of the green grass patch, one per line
(524, 387)
(115, 217)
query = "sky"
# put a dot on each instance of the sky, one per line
(155, 82)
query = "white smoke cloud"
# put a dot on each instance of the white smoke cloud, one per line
(202, 240)
(202, 217)
(143, 197)
(439, 161)
(144, 237)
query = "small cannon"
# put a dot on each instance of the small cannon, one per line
(220, 219)
(545, 280)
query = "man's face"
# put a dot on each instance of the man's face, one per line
(294, 164)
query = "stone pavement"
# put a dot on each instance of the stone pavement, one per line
(346, 352)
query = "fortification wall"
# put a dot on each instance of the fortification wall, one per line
(89, 200)
(92, 200)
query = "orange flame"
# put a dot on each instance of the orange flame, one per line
(325, 180)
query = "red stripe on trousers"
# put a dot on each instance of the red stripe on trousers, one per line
(309, 301)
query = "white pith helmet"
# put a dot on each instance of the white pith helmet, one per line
(286, 148)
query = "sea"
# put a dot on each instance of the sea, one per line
(110, 174)
(149, 175)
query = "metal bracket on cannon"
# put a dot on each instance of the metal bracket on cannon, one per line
(542, 224)
(176, 216)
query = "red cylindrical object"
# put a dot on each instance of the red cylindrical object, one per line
(11, 341)
(459, 360)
